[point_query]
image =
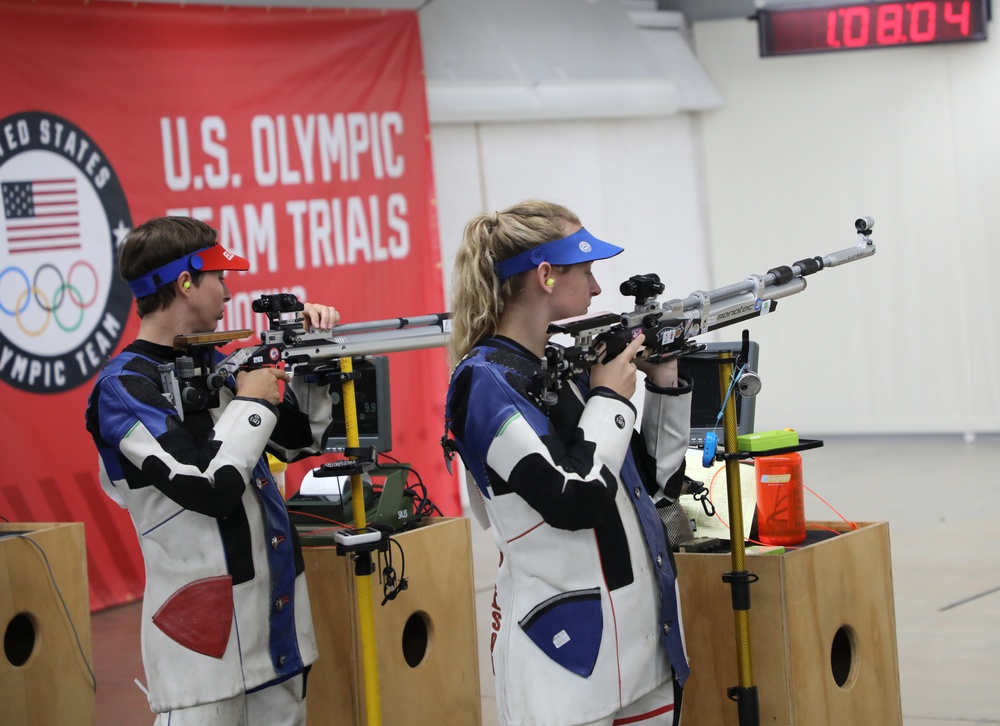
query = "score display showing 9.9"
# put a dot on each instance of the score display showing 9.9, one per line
(869, 25)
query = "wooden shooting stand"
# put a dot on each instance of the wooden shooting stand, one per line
(823, 636)
(426, 654)
(45, 666)
(823, 641)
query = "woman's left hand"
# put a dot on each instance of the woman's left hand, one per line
(319, 317)
(663, 375)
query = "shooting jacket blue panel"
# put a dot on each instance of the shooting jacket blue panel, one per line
(225, 607)
(585, 616)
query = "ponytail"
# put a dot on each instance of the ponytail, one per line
(479, 298)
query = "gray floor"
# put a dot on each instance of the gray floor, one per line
(941, 497)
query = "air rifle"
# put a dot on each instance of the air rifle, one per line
(670, 326)
(193, 383)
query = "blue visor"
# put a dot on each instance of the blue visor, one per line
(210, 258)
(579, 247)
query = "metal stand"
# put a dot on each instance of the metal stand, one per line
(362, 555)
(745, 693)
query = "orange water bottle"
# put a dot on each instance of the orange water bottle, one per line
(781, 516)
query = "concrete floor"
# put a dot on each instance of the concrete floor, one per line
(941, 497)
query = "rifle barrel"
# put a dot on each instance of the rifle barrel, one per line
(391, 324)
(769, 290)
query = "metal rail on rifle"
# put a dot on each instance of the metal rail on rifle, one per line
(289, 343)
(194, 381)
(669, 326)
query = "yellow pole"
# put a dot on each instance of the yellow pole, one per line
(737, 545)
(369, 649)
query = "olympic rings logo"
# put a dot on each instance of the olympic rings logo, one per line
(64, 291)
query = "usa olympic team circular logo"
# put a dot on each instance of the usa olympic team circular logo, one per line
(63, 305)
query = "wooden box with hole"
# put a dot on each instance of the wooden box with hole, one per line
(46, 674)
(428, 667)
(822, 632)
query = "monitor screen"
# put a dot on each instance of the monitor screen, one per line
(706, 401)
(371, 399)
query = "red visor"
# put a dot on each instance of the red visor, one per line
(217, 257)
(206, 260)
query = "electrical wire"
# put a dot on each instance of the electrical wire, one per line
(852, 525)
(733, 378)
(422, 504)
(711, 485)
(52, 579)
(391, 585)
(303, 513)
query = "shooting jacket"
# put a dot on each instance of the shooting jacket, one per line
(225, 607)
(585, 616)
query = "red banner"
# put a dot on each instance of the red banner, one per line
(301, 135)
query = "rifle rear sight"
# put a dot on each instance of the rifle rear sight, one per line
(642, 287)
(282, 302)
(274, 306)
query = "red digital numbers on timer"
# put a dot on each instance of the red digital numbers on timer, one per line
(894, 23)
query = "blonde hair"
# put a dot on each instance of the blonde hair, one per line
(478, 297)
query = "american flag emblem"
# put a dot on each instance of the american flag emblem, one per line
(41, 215)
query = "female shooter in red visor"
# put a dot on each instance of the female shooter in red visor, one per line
(227, 635)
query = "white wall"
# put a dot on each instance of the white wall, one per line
(905, 341)
(636, 183)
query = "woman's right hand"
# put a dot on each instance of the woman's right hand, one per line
(618, 374)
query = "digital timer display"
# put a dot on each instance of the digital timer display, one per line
(786, 31)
